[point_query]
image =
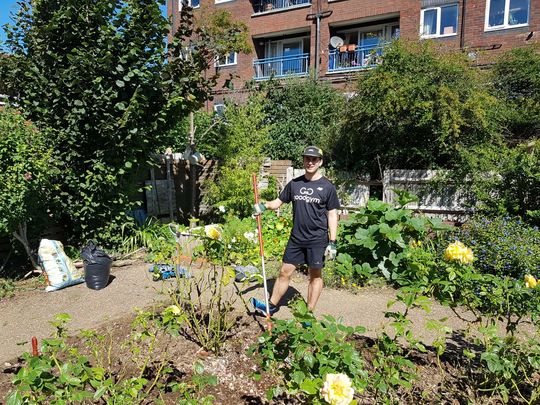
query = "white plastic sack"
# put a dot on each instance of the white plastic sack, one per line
(59, 270)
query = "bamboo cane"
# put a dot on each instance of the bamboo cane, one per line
(261, 251)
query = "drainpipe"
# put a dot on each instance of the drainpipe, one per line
(317, 44)
(317, 17)
(462, 31)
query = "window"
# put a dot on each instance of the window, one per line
(502, 14)
(228, 60)
(189, 3)
(221, 1)
(219, 109)
(439, 21)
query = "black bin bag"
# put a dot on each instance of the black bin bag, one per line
(97, 266)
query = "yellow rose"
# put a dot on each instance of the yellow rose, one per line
(530, 281)
(212, 232)
(337, 389)
(467, 256)
(457, 251)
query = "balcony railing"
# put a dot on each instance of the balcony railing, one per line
(281, 66)
(352, 57)
(262, 6)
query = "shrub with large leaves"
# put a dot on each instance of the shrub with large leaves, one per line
(375, 241)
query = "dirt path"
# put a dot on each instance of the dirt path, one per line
(28, 313)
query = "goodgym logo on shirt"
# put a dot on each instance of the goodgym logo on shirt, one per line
(305, 194)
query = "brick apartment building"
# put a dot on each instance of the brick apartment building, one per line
(336, 38)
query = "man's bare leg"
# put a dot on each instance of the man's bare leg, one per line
(314, 288)
(282, 282)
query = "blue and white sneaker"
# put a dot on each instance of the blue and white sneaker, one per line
(260, 307)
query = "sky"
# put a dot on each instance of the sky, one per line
(7, 7)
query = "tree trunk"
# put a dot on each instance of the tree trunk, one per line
(21, 237)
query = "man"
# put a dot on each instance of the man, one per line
(313, 236)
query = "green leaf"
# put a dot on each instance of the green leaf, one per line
(310, 386)
(14, 398)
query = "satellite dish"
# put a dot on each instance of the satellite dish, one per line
(336, 42)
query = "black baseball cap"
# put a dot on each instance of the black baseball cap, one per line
(313, 151)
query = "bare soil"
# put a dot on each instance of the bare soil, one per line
(111, 309)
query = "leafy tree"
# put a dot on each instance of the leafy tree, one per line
(26, 168)
(302, 113)
(99, 76)
(221, 33)
(245, 138)
(517, 80)
(209, 133)
(414, 110)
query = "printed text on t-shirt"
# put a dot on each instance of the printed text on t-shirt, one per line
(305, 195)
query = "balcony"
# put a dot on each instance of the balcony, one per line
(266, 6)
(352, 57)
(281, 66)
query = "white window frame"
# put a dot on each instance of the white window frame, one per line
(217, 107)
(222, 1)
(352, 36)
(505, 24)
(181, 4)
(438, 33)
(235, 62)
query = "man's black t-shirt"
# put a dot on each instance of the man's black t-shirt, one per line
(311, 201)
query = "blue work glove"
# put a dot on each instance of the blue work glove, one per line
(331, 250)
(258, 209)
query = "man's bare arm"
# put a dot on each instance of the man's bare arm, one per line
(332, 224)
(274, 204)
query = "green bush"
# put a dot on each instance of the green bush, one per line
(209, 133)
(375, 240)
(516, 77)
(157, 238)
(27, 167)
(413, 110)
(238, 244)
(301, 113)
(242, 147)
(304, 355)
(503, 246)
(508, 365)
(501, 180)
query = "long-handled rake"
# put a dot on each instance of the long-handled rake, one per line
(261, 251)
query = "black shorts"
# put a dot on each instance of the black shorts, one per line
(312, 256)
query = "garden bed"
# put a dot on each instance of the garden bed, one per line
(447, 382)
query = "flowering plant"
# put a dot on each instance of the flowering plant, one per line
(306, 355)
(337, 389)
(457, 251)
(530, 281)
(213, 232)
(503, 246)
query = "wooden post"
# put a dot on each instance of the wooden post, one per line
(168, 158)
(155, 198)
(192, 169)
